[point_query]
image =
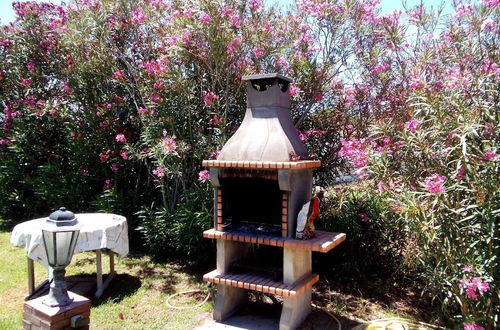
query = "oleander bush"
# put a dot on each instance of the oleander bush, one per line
(111, 105)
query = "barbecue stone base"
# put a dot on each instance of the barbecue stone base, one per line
(228, 301)
(295, 310)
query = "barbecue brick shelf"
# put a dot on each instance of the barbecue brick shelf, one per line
(262, 177)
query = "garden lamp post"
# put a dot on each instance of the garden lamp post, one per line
(60, 234)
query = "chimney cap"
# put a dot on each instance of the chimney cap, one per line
(266, 76)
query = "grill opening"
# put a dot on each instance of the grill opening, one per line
(261, 260)
(251, 205)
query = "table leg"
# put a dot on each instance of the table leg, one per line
(111, 262)
(31, 276)
(98, 263)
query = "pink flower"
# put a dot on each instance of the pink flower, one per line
(169, 144)
(258, 52)
(491, 3)
(124, 154)
(294, 90)
(119, 99)
(468, 269)
(138, 15)
(480, 285)
(231, 48)
(379, 68)
(204, 175)
(209, 97)
(156, 97)
(490, 155)
(255, 4)
(355, 149)
(215, 120)
(25, 81)
(416, 84)
(460, 175)
(318, 97)
(121, 138)
(381, 186)
(5, 142)
(84, 171)
(30, 66)
(434, 183)
(235, 20)
(159, 172)
(114, 167)
(463, 10)
(204, 18)
(118, 75)
(361, 173)
(107, 185)
(472, 326)
(364, 217)
(488, 25)
(187, 13)
(412, 124)
(103, 156)
(142, 111)
(475, 284)
(215, 154)
(172, 40)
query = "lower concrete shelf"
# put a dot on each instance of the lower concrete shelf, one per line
(260, 283)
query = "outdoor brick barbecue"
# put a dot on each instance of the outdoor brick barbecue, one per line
(261, 180)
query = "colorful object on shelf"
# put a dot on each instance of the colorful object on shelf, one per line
(308, 214)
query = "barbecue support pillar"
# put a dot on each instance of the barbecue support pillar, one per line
(228, 298)
(228, 301)
(296, 264)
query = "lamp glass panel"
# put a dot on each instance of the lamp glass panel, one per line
(49, 243)
(65, 244)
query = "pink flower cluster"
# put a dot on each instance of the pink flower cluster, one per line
(215, 120)
(463, 9)
(472, 326)
(258, 52)
(204, 18)
(380, 67)
(104, 155)
(138, 16)
(474, 286)
(203, 175)
(209, 97)
(107, 185)
(153, 67)
(490, 155)
(364, 217)
(119, 75)
(356, 149)
(435, 183)
(159, 172)
(255, 4)
(305, 135)
(294, 90)
(121, 138)
(412, 124)
(170, 144)
(231, 48)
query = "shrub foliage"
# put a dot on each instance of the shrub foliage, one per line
(111, 105)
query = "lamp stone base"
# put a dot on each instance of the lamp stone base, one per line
(76, 315)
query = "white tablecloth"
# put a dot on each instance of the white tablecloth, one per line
(97, 231)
